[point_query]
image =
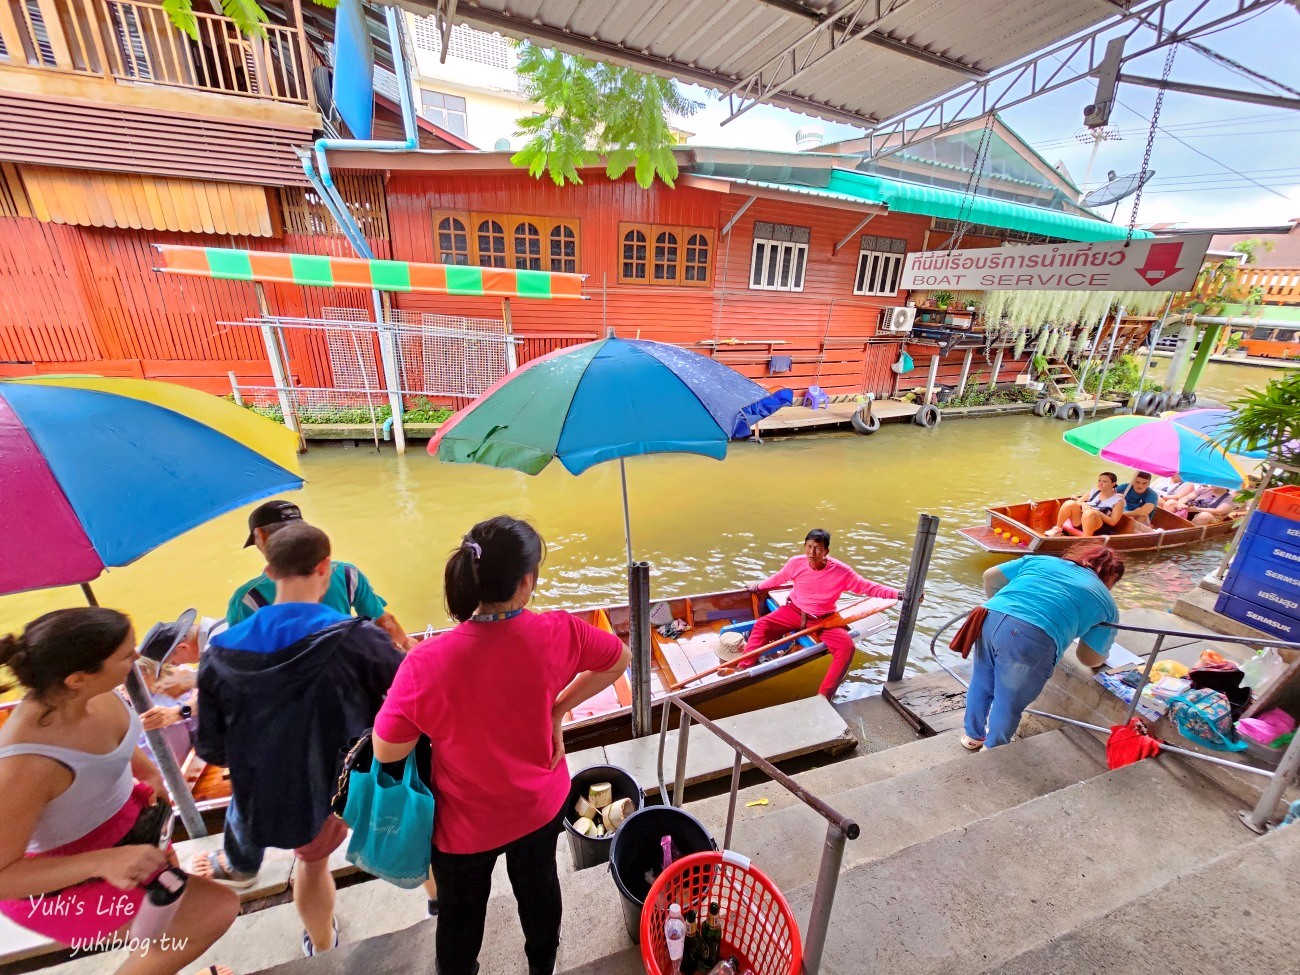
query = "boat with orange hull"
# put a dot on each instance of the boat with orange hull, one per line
(607, 717)
(1021, 529)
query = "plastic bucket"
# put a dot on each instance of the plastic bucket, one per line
(637, 854)
(592, 851)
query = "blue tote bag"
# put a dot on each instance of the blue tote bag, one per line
(392, 824)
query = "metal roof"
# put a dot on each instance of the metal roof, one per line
(855, 60)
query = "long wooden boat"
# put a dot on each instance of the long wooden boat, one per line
(1020, 529)
(607, 718)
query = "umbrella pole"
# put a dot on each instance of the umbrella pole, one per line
(172, 775)
(627, 520)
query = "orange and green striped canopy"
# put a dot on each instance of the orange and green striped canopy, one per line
(315, 270)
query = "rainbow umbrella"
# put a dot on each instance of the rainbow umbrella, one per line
(606, 400)
(96, 472)
(1160, 446)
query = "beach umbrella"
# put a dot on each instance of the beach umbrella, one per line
(96, 472)
(1160, 446)
(606, 400)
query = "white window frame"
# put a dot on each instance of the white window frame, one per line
(444, 115)
(769, 257)
(888, 270)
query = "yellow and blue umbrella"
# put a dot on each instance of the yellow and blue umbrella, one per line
(95, 472)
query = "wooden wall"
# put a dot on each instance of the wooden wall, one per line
(88, 299)
(829, 332)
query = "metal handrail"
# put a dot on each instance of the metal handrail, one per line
(838, 826)
(1255, 819)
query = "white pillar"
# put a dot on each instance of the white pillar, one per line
(997, 370)
(1182, 352)
(392, 374)
(271, 338)
(965, 372)
(933, 376)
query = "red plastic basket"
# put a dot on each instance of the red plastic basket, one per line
(758, 925)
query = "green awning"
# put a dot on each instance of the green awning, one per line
(904, 197)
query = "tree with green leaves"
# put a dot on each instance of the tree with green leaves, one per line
(591, 109)
(1268, 419)
(247, 15)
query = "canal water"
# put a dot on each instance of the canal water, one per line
(703, 525)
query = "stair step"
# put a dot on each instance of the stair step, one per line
(826, 780)
(914, 806)
(1242, 903)
(973, 898)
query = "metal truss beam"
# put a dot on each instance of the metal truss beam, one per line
(1208, 91)
(858, 21)
(1055, 68)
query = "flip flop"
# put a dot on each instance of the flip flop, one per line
(221, 871)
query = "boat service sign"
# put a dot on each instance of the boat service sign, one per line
(1155, 264)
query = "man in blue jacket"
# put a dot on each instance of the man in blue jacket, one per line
(284, 692)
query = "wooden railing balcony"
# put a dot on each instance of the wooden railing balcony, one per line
(134, 42)
(1280, 285)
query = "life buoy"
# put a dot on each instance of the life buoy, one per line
(1069, 412)
(927, 416)
(864, 425)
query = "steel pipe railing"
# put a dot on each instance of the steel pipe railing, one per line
(839, 828)
(1280, 778)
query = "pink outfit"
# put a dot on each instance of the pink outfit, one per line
(92, 909)
(817, 590)
(815, 594)
(483, 693)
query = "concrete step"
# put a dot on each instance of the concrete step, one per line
(1231, 914)
(980, 895)
(828, 780)
(1197, 605)
(914, 806)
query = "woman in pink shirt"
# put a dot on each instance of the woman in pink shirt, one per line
(491, 695)
(818, 583)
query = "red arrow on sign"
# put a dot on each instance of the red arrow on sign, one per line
(1162, 261)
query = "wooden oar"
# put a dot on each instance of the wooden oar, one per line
(849, 614)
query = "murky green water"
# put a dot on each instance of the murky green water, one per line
(704, 525)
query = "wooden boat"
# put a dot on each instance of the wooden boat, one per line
(607, 718)
(1027, 521)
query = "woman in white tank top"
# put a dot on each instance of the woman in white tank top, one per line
(72, 784)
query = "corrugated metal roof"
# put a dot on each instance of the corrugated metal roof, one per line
(917, 50)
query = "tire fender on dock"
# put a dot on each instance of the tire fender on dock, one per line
(864, 425)
(927, 416)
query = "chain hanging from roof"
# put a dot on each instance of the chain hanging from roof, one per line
(972, 185)
(1151, 141)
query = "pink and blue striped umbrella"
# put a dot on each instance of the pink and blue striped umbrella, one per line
(96, 472)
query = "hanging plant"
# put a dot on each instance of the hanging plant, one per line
(1041, 341)
(1081, 343)
(1062, 344)
(1022, 338)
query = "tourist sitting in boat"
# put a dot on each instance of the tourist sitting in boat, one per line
(349, 590)
(1210, 505)
(1038, 605)
(1096, 513)
(83, 814)
(1172, 490)
(1139, 498)
(283, 695)
(491, 695)
(818, 582)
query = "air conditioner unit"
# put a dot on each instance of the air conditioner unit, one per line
(897, 320)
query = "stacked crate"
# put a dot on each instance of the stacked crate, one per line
(1262, 588)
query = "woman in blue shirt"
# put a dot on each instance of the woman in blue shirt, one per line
(1038, 605)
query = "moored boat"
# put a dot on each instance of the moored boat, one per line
(607, 717)
(1020, 529)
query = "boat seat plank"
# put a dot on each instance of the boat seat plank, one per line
(675, 661)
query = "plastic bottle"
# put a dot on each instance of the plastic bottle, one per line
(728, 966)
(675, 935)
(162, 897)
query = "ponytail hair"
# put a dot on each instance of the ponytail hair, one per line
(57, 645)
(493, 558)
(1106, 563)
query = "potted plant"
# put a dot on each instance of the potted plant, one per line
(1234, 346)
(1037, 369)
(942, 299)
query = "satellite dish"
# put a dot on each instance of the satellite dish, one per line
(1116, 188)
(502, 145)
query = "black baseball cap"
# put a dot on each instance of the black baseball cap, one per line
(272, 513)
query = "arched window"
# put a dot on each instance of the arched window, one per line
(696, 266)
(528, 247)
(634, 256)
(564, 249)
(666, 256)
(453, 242)
(491, 244)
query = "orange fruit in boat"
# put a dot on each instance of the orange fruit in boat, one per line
(1015, 539)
